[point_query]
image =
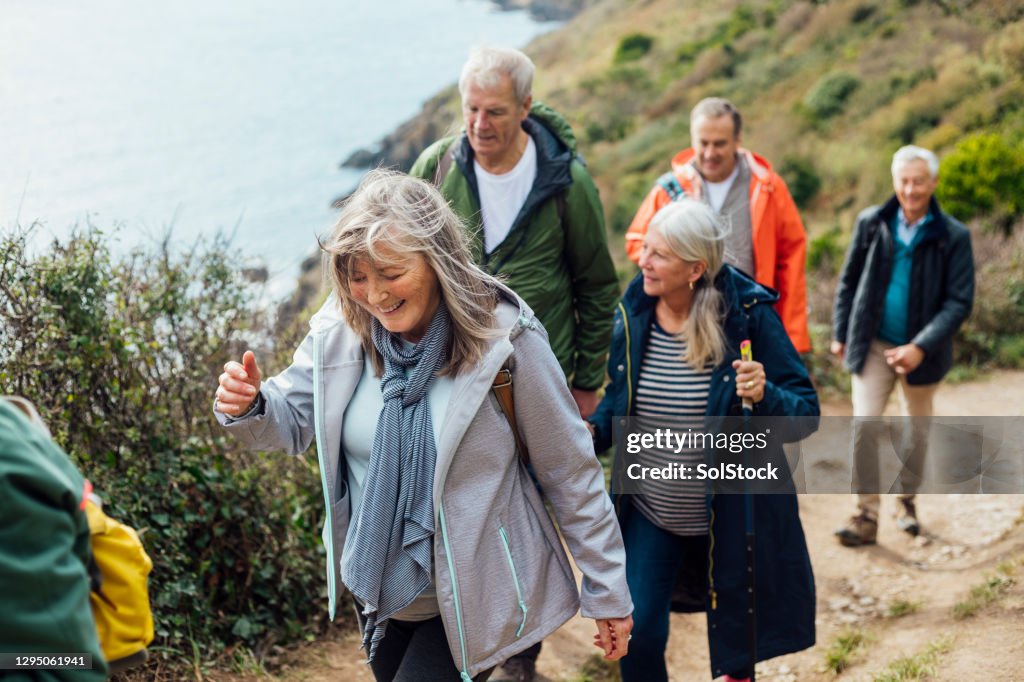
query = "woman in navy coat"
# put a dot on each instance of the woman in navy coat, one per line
(675, 354)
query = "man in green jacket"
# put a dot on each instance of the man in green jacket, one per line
(536, 219)
(44, 554)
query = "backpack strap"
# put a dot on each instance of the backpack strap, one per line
(670, 184)
(502, 389)
(444, 164)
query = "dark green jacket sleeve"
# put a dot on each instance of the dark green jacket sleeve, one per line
(44, 550)
(594, 284)
(429, 158)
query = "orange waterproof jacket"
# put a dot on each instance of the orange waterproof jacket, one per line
(780, 243)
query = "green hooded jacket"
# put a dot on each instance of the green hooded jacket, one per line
(556, 254)
(44, 552)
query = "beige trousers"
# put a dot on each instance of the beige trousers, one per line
(871, 391)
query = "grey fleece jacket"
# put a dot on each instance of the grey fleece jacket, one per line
(503, 580)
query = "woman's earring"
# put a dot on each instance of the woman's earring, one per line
(691, 285)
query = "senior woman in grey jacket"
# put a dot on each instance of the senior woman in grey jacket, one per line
(433, 522)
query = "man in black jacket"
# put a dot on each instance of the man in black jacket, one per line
(906, 286)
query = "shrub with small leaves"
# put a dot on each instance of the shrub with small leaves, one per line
(828, 97)
(121, 355)
(825, 252)
(983, 177)
(802, 179)
(632, 47)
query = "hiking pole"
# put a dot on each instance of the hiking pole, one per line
(748, 411)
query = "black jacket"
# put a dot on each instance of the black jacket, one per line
(941, 289)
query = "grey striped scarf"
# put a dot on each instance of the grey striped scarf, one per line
(389, 559)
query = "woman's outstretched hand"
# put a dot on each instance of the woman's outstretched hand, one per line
(613, 636)
(239, 386)
(750, 379)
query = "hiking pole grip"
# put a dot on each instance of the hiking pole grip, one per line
(746, 355)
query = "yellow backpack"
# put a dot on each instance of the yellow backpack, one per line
(120, 598)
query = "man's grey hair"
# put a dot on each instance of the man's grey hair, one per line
(905, 155)
(486, 66)
(714, 107)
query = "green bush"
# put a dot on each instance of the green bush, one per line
(862, 13)
(828, 96)
(614, 128)
(632, 47)
(984, 178)
(687, 52)
(802, 179)
(121, 355)
(1010, 352)
(825, 252)
(914, 123)
(740, 22)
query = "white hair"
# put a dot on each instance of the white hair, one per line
(486, 66)
(905, 155)
(695, 233)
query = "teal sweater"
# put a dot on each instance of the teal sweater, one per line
(897, 294)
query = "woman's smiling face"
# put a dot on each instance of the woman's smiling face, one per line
(665, 273)
(402, 292)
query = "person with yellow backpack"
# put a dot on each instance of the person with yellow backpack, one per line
(119, 596)
(72, 580)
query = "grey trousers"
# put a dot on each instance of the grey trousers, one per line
(871, 391)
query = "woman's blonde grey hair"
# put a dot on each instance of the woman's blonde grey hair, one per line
(408, 217)
(486, 66)
(695, 233)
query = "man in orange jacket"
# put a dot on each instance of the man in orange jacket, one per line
(766, 238)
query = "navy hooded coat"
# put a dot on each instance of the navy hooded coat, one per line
(785, 597)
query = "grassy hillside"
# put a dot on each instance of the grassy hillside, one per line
(828, 90)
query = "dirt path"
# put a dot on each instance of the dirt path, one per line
(967, 540)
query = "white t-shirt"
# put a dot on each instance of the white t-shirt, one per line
(501, 196)
(718, 191)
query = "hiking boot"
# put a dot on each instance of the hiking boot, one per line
(516, 670)
(861, 530)
(906, 518)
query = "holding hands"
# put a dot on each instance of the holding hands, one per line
(239, 386)
(613, 636)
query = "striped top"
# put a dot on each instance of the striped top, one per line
(670, 389)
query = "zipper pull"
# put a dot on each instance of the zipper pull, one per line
(714, 600)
